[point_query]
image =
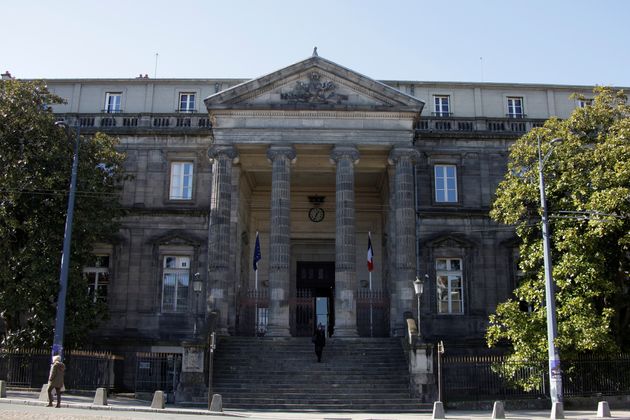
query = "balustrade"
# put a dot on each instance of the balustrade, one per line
(123, 122)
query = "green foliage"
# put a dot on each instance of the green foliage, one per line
(35, 167)
(588, 172)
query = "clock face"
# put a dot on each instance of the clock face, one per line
(316, 214)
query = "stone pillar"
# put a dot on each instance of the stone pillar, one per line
(345, 158)
(219, 234)
(281, 158)
(402, 292)
(192, 386)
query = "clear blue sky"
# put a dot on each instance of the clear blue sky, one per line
(550, 41)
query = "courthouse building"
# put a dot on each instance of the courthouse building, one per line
(315, 159)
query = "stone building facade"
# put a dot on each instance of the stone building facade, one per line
(312, 160)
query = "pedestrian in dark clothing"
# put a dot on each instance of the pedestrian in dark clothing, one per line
(319, 339)
(55, 380)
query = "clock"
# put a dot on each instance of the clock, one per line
(316, 214)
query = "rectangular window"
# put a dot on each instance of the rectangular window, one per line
(175, 280)
(450, 286)
(442, 106)
(583, 103)
(97, 276)
(186, 102)
(113, 102)
(515, 107)
(445, 183)
(181, 181)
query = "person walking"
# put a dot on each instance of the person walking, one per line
(55, 380)
(319, 339)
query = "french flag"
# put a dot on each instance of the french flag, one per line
(370, 254)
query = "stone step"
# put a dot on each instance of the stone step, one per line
(282, 374)
(410, 407)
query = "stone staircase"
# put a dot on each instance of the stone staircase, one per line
(282, 374)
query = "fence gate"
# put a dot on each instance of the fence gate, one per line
(158, 372)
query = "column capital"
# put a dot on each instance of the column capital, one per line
(403, 153)
(215, 151)
(275, 151)
(349, 151)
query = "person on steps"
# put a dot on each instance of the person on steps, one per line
(319, 339)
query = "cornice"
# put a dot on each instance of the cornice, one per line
(311, 114)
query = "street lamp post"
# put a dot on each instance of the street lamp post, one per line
(418, 286)
(555, 373)
(197, 286)
(57, 347)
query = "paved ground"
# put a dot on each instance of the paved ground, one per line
(25, 406)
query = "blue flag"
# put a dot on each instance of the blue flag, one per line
(257, 254)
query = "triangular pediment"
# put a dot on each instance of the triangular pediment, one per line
(314, 84)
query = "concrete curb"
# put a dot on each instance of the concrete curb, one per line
(83, 406)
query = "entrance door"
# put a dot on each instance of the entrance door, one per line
(315, 297)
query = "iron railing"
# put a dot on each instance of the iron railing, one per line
(372, 313)
(85, 370)
(253, 312)
(488, 378)
(157, 372)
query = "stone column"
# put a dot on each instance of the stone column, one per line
(402, 292)
(219, 234)
(281, 158)
(345, 242)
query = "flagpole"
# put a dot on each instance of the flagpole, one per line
(256, 296)
(371, 295)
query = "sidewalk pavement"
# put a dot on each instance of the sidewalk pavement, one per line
(25, 405)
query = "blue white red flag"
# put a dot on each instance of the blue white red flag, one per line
(370, 254)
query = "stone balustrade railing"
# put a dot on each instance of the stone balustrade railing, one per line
(196, 121)
(495, 125)
(129, 121)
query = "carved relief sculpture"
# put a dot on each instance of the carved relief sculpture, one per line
(314, 91)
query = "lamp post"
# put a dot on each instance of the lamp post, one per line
(555, 373)
(197, 285)
(418, 286)
(57, 347)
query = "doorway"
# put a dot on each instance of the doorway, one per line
(315, 297)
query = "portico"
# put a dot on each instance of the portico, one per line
(313, 157)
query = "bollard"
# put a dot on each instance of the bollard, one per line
(217, 403)
(158, 400)
(498, 411)
(43, 394)
(438, 410)
(100, 398)
(3, 389)
(603, 410)
(557, 411)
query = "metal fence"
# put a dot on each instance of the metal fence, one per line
(372, 313)
(85, 370)
(253, 312)
(487, 378)
(157, 371)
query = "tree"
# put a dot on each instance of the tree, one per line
(588, 196)
(35, 166)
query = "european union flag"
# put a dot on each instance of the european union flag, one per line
(257, 254)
